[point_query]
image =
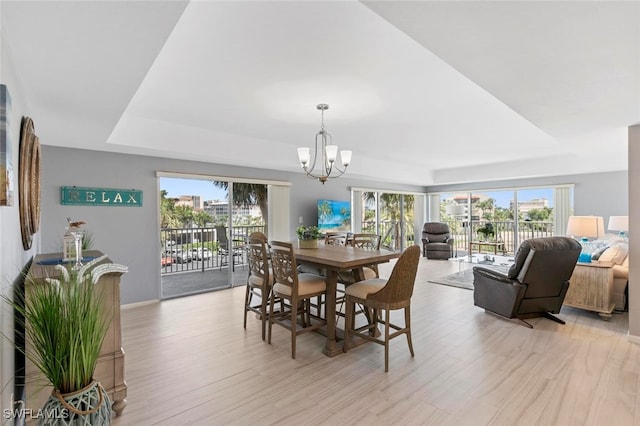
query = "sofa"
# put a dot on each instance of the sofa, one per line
(618, 254)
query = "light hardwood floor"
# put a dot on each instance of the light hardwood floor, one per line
(189, 361)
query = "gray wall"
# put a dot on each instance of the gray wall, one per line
(129, 235)
(12, 256)
(597, 194)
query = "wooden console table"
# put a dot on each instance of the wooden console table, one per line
(110, 367)
(495, 244)
(591, 288)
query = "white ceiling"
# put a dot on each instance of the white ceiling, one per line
(422, 92)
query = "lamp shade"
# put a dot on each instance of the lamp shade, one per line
(618, 223)
(585, 226)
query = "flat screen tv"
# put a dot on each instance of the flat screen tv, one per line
(334, 216)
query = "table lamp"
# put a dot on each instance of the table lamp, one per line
(620, 224)
(585, 227)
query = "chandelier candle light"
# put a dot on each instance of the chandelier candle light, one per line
(327, 156)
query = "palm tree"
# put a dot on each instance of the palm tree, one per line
(390, 210)
(324, 211)
(202, 219)
(248, 194)
(487, 207)
(184, 215)
(168, 218)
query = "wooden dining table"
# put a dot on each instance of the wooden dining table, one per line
(335, 259)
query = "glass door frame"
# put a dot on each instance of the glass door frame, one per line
(418, 210)
(562, 197)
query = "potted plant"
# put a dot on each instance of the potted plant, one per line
(308, 236)
(64, 322)
(487, 231)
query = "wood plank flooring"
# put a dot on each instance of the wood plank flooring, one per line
(189, 361)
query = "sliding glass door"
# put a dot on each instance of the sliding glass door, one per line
(391, 215)
(205, 225)
(497, 221)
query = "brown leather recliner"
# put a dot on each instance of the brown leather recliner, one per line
(437, 242)
(536, 283)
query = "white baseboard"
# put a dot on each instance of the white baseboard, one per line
(136, 304)
(633, 339)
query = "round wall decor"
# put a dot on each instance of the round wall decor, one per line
(34, 189)
(29, 182)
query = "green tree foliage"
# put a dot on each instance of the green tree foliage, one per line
(390, 211)
(324, 211)
(248, 194)
(487, 207)
(502, 214)
(543, 214)
(168, 218)
(202, 219)
(184, 214)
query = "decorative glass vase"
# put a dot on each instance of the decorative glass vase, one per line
(87, 407)
(77, 239)
(587, 251)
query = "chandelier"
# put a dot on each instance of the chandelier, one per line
(327, 156)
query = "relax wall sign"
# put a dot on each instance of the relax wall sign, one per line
(74, 195)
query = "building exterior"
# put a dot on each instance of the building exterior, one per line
(193, 201)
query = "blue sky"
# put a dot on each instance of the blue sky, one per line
(204, 188)
(208, 191)
(503, 198)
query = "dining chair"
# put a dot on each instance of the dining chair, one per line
(258, 236)
(295, 288)
(335, 239)
(225, 248)
(346, 278)
(369, 242)
(259, 283)
(385, 296)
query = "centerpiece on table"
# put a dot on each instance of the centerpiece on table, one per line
(308, 236)
(486, 232)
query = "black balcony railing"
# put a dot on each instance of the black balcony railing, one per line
(198, 249)
(504, 232)
(394, 235)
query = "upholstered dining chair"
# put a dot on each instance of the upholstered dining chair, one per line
(335, 238)
(259, 283)
(535, 285)
(369, 242)
(384, 296)
(346, 278)
(296, 288)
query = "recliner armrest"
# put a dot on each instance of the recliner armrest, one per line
(491, 274)
(496, 292)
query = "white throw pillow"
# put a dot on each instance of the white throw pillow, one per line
(616, 254)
